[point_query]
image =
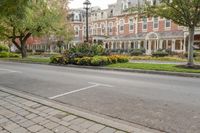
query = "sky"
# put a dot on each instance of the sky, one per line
(102, 3)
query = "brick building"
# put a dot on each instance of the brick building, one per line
(118, 29)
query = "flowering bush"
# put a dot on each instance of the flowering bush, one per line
(59, 59)
(89, 61)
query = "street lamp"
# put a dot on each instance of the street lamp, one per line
(87, 5)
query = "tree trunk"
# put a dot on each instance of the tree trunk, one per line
(190, 47)
(23, 50)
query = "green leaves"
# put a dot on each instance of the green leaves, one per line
(31, 16)
(182, 12)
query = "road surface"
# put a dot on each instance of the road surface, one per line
(165, 103)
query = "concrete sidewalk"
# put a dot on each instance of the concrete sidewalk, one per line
(22, 115)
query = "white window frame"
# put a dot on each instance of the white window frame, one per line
(166, 24)
(110, 28)
(146, 23)
(102, 28)
(154, 22)
(121, 21)
(131, 30)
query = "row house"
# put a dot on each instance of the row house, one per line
(118, 29)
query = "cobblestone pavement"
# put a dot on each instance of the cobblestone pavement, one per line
(18, 115)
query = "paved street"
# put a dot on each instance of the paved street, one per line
(166, 103)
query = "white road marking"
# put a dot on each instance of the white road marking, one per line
(82, 89)
(106, 85)
(9, 70)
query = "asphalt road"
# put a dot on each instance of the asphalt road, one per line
(166, 103)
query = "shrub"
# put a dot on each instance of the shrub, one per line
(137, 52)
(160, 54)
(86, 49)
(113, 59)
(194, 55)
(14, 55)
(59, 59)
(4, 48)
(99, 61)
(83, 61)
(122, 59)
(118, 59)
(4, 54)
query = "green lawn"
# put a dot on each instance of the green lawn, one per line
(157, 67)
(167, 58)
(28, 59)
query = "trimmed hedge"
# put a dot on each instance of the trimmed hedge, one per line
(89, 61)
(4, 54)
(160, 54)
(14, 55)
(137, 52)
(4, 48)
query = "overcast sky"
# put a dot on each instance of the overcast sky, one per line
(102, 3)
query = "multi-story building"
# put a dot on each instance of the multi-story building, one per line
(117, 28)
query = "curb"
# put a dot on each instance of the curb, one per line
(122, 125)
(135, 71)
(194, 75)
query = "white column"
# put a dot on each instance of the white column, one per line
(149, 45)
(104, 44)
(184, 45)
(161, 44)
(173, 45)
(181, 45)
(112, 45)
(139, 44)
(145, 45)
(158, 44)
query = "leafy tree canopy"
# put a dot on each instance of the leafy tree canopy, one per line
(21, 19)
(182, 12)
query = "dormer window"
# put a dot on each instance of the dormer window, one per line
(111, 13)
(102, 14)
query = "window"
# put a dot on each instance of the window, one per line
(144, 23)
(110, 27)
(84, 30)
(102, 29)
(178, 45)
(121, 25)
(167, 23)
(111, 13)
(131, 25)
(95, 29)
(76, 31)
(102, 15)
(155, 22)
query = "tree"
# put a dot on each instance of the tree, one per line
(22, 19)
(182, 12)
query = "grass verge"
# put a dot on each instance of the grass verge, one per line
(28, 59)
(156, 67)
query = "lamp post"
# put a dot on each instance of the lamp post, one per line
(87, 5)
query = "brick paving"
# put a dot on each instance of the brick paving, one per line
(18, 115)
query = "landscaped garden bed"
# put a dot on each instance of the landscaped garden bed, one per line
(88, 55)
